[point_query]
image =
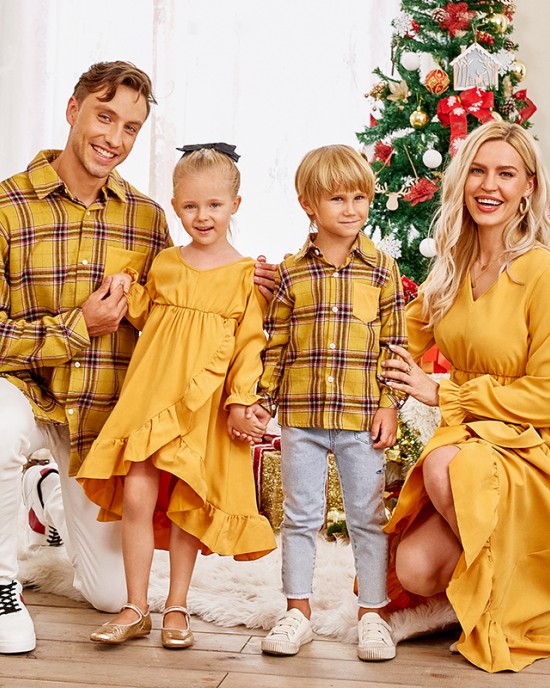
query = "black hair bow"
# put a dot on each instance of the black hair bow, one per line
(225, 148)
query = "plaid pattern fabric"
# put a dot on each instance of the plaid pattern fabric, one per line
(328, 329)
(54, 252)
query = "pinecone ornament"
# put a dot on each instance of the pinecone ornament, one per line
(439, 14)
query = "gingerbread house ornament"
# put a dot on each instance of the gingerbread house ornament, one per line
(475, 68)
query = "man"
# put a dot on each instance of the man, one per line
(66, 223)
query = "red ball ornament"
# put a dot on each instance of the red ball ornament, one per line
(437, 81)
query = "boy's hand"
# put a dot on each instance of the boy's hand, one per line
(259, 411)
(384, 428)
(240, 427)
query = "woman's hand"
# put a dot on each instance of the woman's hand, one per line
(405, 375)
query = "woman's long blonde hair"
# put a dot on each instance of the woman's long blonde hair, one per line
(455, 232)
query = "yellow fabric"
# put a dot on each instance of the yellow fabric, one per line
(199, 351)
(496, 409)
(54, 252)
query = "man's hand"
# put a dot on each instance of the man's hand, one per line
(104, 309)
(264, 277)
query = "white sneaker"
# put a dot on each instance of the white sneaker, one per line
(375, 638)
(41, 482)
(291, 632)
(16, 626)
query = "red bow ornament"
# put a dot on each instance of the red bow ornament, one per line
(453, 111)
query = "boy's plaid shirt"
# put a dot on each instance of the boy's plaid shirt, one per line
(54, 253)
(328, 332)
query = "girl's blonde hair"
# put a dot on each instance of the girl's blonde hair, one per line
(325, 170)
(455, 233)
(206, 159)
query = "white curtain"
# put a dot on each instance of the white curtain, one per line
(274, 77)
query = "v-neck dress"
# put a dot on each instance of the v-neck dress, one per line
(496, 409)
(199, 351)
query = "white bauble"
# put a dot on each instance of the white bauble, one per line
(432, 158)
(410, 61)
(427, 248)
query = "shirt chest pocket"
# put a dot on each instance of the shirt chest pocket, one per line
(366, 302)
(119, 258)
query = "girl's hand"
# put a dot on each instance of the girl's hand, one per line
(117, 280)
(246, 429)
(405, 375)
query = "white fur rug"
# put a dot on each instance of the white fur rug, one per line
(231, 593)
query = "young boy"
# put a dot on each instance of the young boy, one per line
(337, 304)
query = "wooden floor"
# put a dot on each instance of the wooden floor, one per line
(229, 658)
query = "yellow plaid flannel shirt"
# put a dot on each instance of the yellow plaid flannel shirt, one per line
(54, 252)
(328, 331)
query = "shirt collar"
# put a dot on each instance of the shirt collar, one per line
(45, 179)
(362, 247)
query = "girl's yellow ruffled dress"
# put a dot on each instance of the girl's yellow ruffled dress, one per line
(202, 334)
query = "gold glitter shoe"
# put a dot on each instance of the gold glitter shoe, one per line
(175, 638)
(115, 634)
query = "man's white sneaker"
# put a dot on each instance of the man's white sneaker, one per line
(41, 491)
(291, 632)
(375, 638)
(16, 626)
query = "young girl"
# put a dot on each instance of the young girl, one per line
(165, 462)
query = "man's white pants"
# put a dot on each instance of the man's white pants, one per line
(95, 549)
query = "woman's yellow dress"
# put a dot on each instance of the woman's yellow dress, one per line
(202, 335)
(496, 408)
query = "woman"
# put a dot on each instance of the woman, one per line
(472, 519)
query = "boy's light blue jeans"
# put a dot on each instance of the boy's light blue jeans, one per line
(361, 469)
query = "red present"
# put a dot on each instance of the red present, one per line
(433, 361)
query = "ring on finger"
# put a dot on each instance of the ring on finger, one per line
(408, 370)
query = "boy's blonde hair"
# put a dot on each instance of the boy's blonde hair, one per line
(207, 159)
(326, 170)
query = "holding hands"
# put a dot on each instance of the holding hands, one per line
(247, 423)
(405, 375)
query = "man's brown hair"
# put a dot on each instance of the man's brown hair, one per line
(111, 75)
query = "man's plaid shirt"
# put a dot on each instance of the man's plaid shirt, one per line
(328, 331)
(54, 252)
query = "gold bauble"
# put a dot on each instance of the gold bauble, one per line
(518, 69)
(419, 118)
(499, 22)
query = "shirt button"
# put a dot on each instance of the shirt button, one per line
(336, 274)
(84, 262)
(89, 212)
(332, 345)
(335, 309)
(77, 364)
(330, 378)
(70, 411)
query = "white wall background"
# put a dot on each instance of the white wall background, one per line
(275, 77)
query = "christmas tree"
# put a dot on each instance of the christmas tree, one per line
(454, 67)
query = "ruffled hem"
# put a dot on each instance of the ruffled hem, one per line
(499, 632)
(243, 536)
